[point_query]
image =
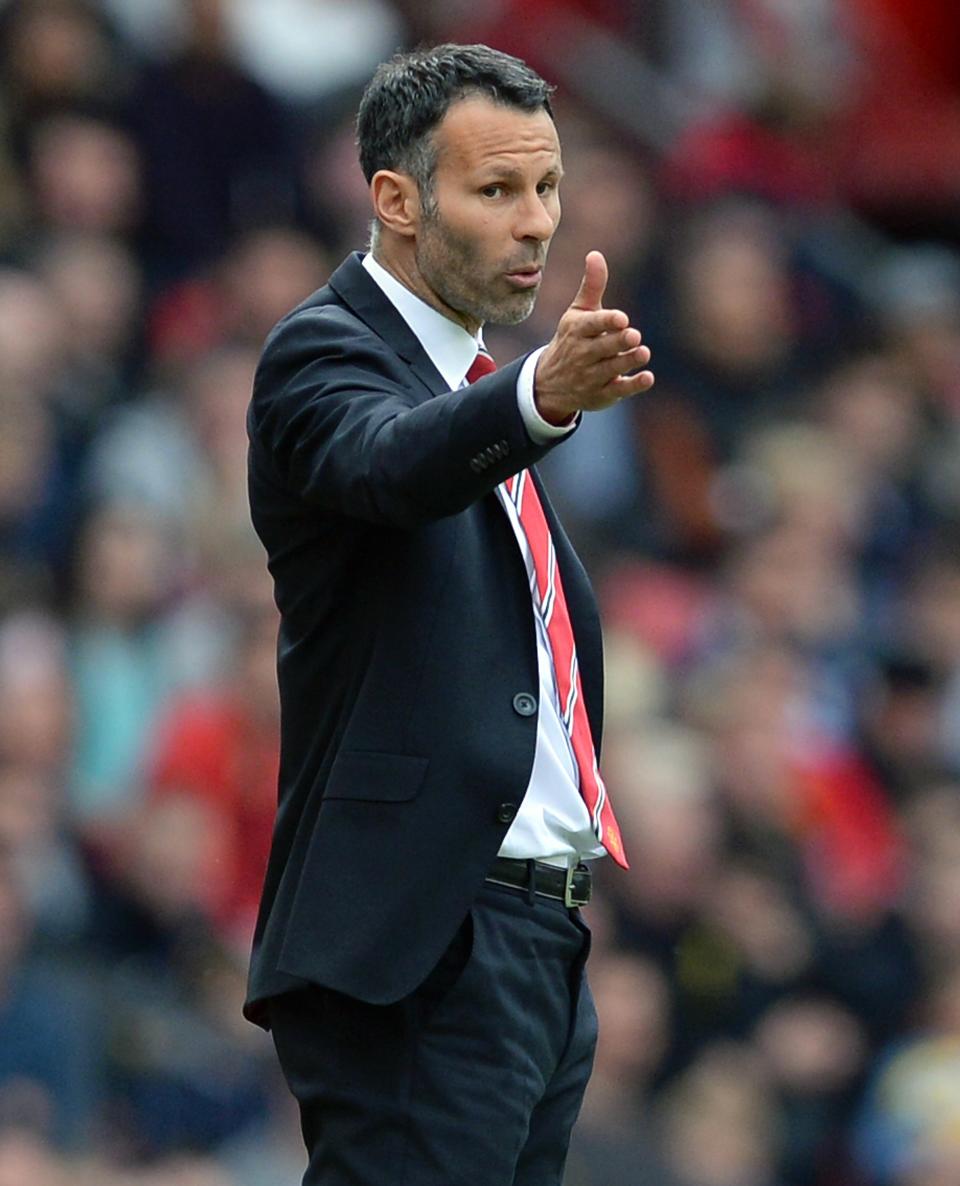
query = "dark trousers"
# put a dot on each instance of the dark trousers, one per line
(475, 1079)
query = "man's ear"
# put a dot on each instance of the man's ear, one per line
(396, 201)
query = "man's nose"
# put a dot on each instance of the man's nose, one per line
(535, 220)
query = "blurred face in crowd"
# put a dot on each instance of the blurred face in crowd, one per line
(811, 1046)
(36, 701)
(216, 393)
(85, 175)
(720, 1119)
(32, 337)
(734, 292)
(479, 240)
(267, 273)
(96, 282)
(56, 51)
(125, 566)
(174, 857)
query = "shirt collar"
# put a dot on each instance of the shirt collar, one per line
(449, 346)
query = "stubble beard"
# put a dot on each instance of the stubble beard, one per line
(452, 267)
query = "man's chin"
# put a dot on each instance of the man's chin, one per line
(515, 309)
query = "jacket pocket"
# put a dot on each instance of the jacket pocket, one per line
(375, 777)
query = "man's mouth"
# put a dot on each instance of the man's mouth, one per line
(527, 277)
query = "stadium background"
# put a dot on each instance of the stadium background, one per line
(774, 533)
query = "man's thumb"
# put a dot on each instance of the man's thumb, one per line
(593, 284)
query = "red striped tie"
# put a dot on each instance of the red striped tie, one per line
(552, 602)
(482, 365)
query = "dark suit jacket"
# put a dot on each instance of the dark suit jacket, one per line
(406, 635)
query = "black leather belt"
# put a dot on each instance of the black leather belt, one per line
(569, 886)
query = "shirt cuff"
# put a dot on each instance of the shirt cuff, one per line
(540, 431)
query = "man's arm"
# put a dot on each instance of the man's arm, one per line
(333, 410)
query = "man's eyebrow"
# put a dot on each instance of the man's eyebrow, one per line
(512, 173)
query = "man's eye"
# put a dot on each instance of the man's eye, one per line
(546, 187)
(492, 191)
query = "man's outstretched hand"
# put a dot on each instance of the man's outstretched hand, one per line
(595, 357)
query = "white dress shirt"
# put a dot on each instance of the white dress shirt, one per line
(553, 823)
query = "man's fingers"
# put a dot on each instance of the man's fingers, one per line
(623, 386)
(610, 366)
(593, 323)
(594, 282)
(615, 355)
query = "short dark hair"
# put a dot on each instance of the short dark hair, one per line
(409, 95)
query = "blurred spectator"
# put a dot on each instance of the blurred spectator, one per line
(795, 791)
(216, 150)
(84, 175)
(721, 1121)
(221, 747)
(907, 1132)
(48, 864)
(900, 722)
(32, 491)
(155, 882)
(56, 55)
(45, 402)
(262, 275)
(731, 361)
(181, 456)
(50, 1034)
(335, 198)
(185, 1071)
(186, 1074)
(613, 1141)
(778, 80)
(32, 336)
(668, 611)
(930, 908)
(874, 409)
(814, 1050)
(265, 274)
(125, 572)
(96, 283)
(36, 696)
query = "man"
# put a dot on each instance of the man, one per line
(419, 952)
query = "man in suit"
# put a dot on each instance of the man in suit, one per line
(419, 952)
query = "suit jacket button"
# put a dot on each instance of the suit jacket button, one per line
(524, 704)
(506, 813)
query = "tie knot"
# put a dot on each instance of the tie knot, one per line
(482, 365)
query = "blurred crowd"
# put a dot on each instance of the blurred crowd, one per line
(774, 533)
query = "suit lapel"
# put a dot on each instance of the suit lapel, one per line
(360, 293)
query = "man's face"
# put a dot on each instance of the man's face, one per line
(482, 246)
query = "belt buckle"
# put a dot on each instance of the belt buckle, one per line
(570, 897)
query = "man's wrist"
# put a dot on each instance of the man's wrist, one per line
(552, 412)
(540, 428)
